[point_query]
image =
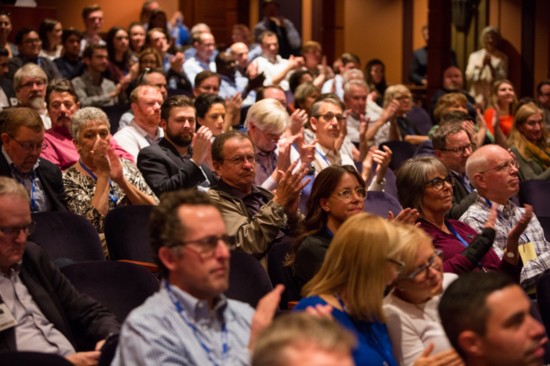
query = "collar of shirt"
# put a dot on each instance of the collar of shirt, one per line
(148, 137)
(199, 309)
(236, 192)
(14, 168)
(505, 211)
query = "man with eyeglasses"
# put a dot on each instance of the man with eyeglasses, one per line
(22, 141)
(41, 311)
(202, 60)
(453, 146)
(190, 321)
(92, 16)
(494, 173)
(30, 84)
(258, 218)
(178, 160)
(29, 45)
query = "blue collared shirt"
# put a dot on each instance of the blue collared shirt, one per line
(157, 334)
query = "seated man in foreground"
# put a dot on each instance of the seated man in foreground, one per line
(487, 318)
(45, 312)
(190, 321)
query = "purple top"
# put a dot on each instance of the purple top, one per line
(453, 259)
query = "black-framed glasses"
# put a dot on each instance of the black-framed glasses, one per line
(347, 193)
(438, 183)
(506, 166)
(329, 116)
(425, 267)
(461, 149)
(209, 244)
(238, 160)
(13, 231)
(30, 146)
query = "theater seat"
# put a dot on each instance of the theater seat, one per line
(248, 281)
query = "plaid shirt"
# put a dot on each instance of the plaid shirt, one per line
(507, 217)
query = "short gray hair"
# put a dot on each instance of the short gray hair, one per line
(268, 115)
(85, 115)
(355, 82)
(11, 187)
(317, 105)
(29, 70)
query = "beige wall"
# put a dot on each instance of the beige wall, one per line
(420, 18)
(373, 29)
(116, 12)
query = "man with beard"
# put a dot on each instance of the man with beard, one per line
(144, 130)
(178, 160)
(30, 84)
(22, 142)
(62, 105)
(493, 171)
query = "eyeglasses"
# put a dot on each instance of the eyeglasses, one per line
(461, 149)
(403, 97)
(399, 265)
(238, 160)
(329, 116)
(504, 167)
(438, 183)
(209, 244)
(32, 40)
(30, 146)
(13, 231)
(347, 194)
(426, 267)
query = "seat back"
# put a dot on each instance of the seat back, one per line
(127, 233)
(401, 151)
(537, 194)
(17, 358)
(380, 203)
(248, 281)
(280, 274)
(120, 287)
(66, 235)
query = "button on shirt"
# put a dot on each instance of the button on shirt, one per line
(157, 334)
(133, 138)
(33, 331)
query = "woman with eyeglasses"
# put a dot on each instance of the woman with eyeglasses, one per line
(338, 192)
(362, 260)
(424, 183)
(529, 143)
(411, 307)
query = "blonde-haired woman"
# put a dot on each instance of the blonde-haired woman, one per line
(360, 263)
(529, 142)
(499, 116)
(411, 308)
(401, 128)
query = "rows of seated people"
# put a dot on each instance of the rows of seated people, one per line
(267, 149)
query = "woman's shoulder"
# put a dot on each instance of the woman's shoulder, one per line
(309, 301)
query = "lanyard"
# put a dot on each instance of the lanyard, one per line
(323, 156)
(112, 194)
(457, 235)
(196, 332)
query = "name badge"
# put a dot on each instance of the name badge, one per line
(6, 318)
(527, 252)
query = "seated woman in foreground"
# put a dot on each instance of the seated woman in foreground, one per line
(411, 308)
(100, 180)
(360, 262)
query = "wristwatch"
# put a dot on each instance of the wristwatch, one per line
(510, 255)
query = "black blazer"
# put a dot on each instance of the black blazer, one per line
(76, 315)
(165, 170)
(50, 178)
